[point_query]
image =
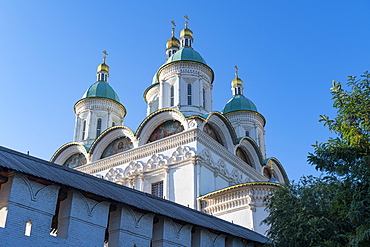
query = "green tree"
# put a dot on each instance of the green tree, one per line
(302, 214)
(345, 160)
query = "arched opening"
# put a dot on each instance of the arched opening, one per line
(98, 127)
(189, 94)
(172, 96)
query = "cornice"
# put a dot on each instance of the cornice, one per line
(184, 63)
(93, 103)
(252, 112)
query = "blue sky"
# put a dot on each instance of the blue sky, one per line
(288, 52)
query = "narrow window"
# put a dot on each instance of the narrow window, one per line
(157, 189)
(186, 42)
(83, 130)
(189, 94)
(247, 133)
(113, 124)
(189, 42)
(172, 96)
(239, 90)
(98, 128)
(204, 98)
(27, 232)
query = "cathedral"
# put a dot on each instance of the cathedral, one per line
(183, 151)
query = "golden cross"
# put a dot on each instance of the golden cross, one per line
(186, 22)
(236, 72)
(105, 55)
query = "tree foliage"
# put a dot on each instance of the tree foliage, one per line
(342, 198)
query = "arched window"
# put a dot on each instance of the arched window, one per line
(113, 124)
(98, 127)
(189, 94)
(186, 42)
(83, 130)
(204, 98)
(172, 99)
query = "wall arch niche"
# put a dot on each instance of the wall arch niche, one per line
(119, 145)
(166, 129)
(209, 130)
(75, 160)
(243, 156)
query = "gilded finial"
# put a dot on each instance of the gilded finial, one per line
(105, 56)
(236, 72)
(173, 28)
(187, 21)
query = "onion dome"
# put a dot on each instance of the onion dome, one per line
(103, 67)
(186, 32)
(236, 81)
(101, 89)
(172, 42)
(239, 103)
(186, 54)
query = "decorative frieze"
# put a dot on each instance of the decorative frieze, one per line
(156, 162)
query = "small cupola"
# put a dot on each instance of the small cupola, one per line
(173, 44)
(186, 35)
(237, 83)
(102, 73)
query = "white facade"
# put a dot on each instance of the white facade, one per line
(183, 151)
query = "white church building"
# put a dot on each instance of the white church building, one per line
(183, 151)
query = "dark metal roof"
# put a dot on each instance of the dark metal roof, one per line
(66, 176)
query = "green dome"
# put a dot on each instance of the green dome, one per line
(186, 54)
(101, 89)
(239, 103)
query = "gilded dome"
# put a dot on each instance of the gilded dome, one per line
(172, 42)
(103, 67)
(236, 81)
(186, 32)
